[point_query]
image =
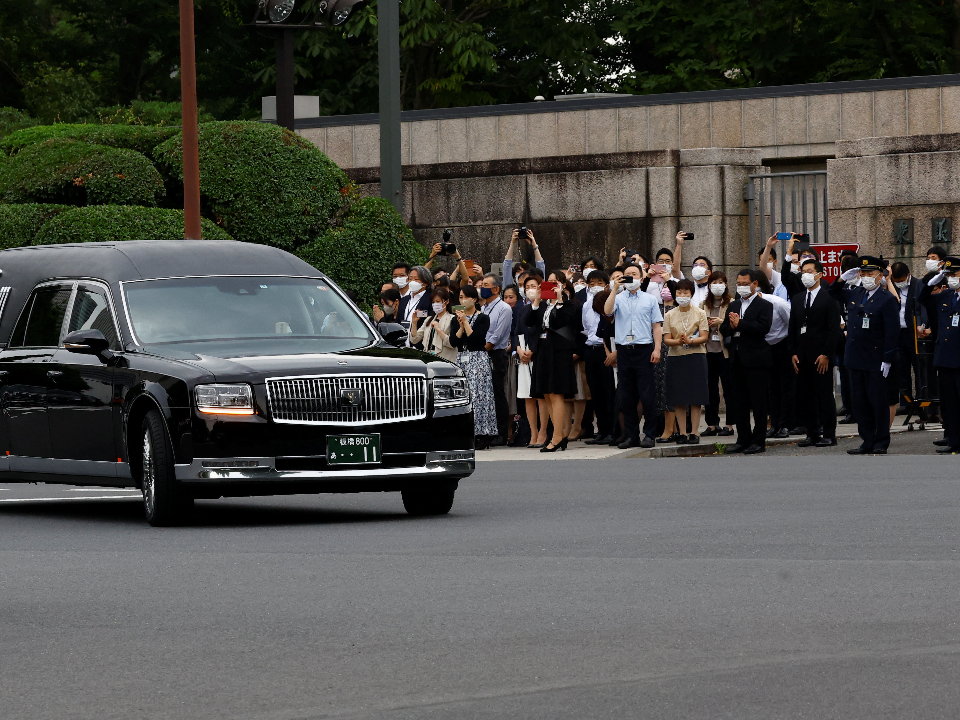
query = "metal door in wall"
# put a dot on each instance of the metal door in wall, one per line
(786, 202)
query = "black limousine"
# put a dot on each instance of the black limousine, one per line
(207, 369)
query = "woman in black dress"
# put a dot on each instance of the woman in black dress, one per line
(554, 374)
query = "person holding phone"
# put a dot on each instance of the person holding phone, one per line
(523, 235)
(435, 330)
(470, 338)
(554, 375)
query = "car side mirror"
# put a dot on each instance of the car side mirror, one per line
(88, 342)
(394, 333)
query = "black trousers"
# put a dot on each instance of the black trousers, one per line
(950, 404)
(871, 410)
(907, 365)
(602, 389)
(750, 388)
(499, 361)
(845, 400)
(783, 381)
(718, 375)
(637, 386)
(819, 405)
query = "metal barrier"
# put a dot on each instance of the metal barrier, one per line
(786, 202)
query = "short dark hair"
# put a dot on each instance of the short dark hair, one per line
(623, 268)
(535, 273)
(391, 294)
(403, 265)
(746, 272)
(773, 253)
(685, 284)
(899, 270)
(442, 293)
(597, 262)
(664, 251)
(763, 284)
(939, 251)
(847, 262)
(705, 259)
(817, 265)
(470, 291)
(599, 275)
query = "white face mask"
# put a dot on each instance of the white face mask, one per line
(388, 310)
(579, 286)
(717, 289)
(744, 291)
(808, 279)
(953, 283)
(586, 272)
(438, 307)
(699, 273)
(595, 290)
(415, 287)
(619, 288)
(401, 281)
(932, 265)
(869, 283)
(532, 294)
(902, 284)
(683, 301)
(795, 268)
(629, 282)
(770, 265)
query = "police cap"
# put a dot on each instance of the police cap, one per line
(869, 262)
(951, 264)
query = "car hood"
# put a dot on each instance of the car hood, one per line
(233, 366)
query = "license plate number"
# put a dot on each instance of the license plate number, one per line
(353, 449)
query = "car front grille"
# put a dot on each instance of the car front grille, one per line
(347, 399)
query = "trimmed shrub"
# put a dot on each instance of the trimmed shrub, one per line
(19, 223)
(359, 254)
(109, 223)
(261, 182)
(77, 173)
(131, 137)
(147, 112)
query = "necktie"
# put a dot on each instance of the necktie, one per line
(807, 306)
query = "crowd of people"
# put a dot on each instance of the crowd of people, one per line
(589, 353)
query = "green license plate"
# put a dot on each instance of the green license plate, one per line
(353, 449)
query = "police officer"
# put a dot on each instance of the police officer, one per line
(946, 354)
(873, 329)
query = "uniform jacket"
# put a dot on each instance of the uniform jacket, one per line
(822, 322)
(748, 341)
(945, 305)
(868, 348)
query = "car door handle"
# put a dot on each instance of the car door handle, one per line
(54, 373)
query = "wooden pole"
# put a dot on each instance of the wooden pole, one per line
(188, 100)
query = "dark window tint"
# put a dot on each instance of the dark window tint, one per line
(46, 316)
(16, 339)
(92, 312)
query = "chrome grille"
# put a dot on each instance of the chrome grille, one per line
(318, 400)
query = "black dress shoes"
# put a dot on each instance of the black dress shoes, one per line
(846, 420)
(647, 442)
(808, 442)
(856, 451)
(826, 442)
(782, 433)
(948, 449)
(770, 432)
(799, 430)
(606, 440)
(754, 449)
(942, 443)
(842, 411)
(735, 448)
(878, 451)
(628, 444)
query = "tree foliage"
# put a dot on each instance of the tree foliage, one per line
(110, 223)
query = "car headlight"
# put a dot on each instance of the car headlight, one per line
(225, 399)
(450, 392)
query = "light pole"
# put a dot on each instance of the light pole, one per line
(188, 103)
(391, 169)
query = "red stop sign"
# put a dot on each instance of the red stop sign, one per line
(829, 254)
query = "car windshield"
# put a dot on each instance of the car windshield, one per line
(293, 314)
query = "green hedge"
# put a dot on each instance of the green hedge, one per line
(359, 254)
(78, 173)
(108, 223)
(19, 223)
(264, 184)
(131, 137)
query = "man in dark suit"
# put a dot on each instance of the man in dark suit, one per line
(747, 323)
(946, 355)
(913, 317)
(814, 337)
(873, 329)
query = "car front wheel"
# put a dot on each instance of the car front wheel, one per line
(164, 500)
(427, 501)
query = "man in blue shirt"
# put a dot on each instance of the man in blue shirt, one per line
(498, 340)
(638, 330)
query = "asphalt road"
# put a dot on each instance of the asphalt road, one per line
(763, 587)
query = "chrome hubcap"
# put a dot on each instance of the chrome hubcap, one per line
(149, 476)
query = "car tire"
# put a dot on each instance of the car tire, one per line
(428, 502)
(165, 502)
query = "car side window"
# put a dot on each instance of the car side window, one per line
(42, 319)
(91, 311)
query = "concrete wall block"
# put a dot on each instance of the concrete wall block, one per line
(735, 178)
(759, 123)
(843, 225)
(701, 190)
(453, 140)
(890, 113)
(721, 156)
(791, 120)
(405, 143)
(664, 127)
(600, 195)
(916, 179)
(865, 182)
(923, 110)
(806, 151)
(366, 145)
(572, 132)
(318, 136)
(727, 124)
(662, 183)
(867, 230)
(823, 118)
(424, 142)
(601, 131)
(542, 140)
(468, 201)
(708, 238)
(632, 129)
(735, 252)
(695, 125)
(856, 115)
(513, 137)
(950, 112)
(340, 145)
(663, 233)
(482, 138)
(842, 183)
